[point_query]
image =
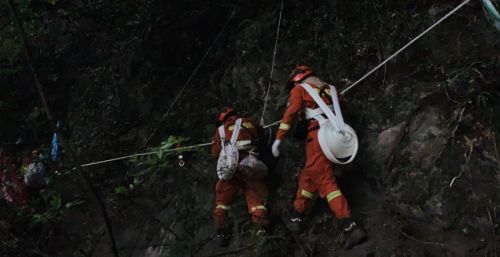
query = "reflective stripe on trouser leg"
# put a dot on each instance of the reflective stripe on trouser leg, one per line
(258, 207)
(255, 195)
(338, 204)
(333, 195)
(222, 206)
(259, 215)
(321, 173)
(305, 196)
(225, 193)
(220, 215)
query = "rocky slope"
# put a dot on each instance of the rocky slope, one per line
(425, 183)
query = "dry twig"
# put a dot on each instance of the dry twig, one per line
(469, 143)
(458, 123)
(420, 241)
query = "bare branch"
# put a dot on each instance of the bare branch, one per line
(420, 241)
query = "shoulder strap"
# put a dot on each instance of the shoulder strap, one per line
(336, 121)
(236, 131)
(222, 134)
(336, 108)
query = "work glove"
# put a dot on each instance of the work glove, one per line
(275, 148)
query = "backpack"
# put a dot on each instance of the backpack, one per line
(229, 155)
(251, 167)
(35, 173)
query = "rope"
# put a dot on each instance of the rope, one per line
(190, 77)
(272, 124)
(272, 65)
(191, 147)
(393, 55)
(406, 46)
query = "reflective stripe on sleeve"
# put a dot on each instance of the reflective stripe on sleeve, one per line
(258, 207)
(333, 195)
(224, 207)
(307, 194)
(284, 126)
(247, 125)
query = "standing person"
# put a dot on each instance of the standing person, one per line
(317, 174)
(251, 182)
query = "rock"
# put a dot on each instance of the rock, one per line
(434, 205)
(387, 141)
(427, 136)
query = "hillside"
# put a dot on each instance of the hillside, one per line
(126, 77)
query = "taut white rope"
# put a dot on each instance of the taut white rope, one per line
(407, 45)
(396, 53)
(146, 153)
(272, 66)
(191, 147)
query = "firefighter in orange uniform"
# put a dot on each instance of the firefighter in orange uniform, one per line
(254, 190)
(317, 174)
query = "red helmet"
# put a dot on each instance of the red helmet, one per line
(224, 115)
(299, 73)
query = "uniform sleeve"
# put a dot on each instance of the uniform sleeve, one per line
(216, 147)
(293, 107)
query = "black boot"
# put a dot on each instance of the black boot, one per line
(223, 238)
(296, 223)
(351, 234)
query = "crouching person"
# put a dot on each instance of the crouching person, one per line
(238, 168)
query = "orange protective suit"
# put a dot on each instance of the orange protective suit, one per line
(317, 175)
(255, 190)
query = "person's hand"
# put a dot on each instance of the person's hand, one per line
(275, 148)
